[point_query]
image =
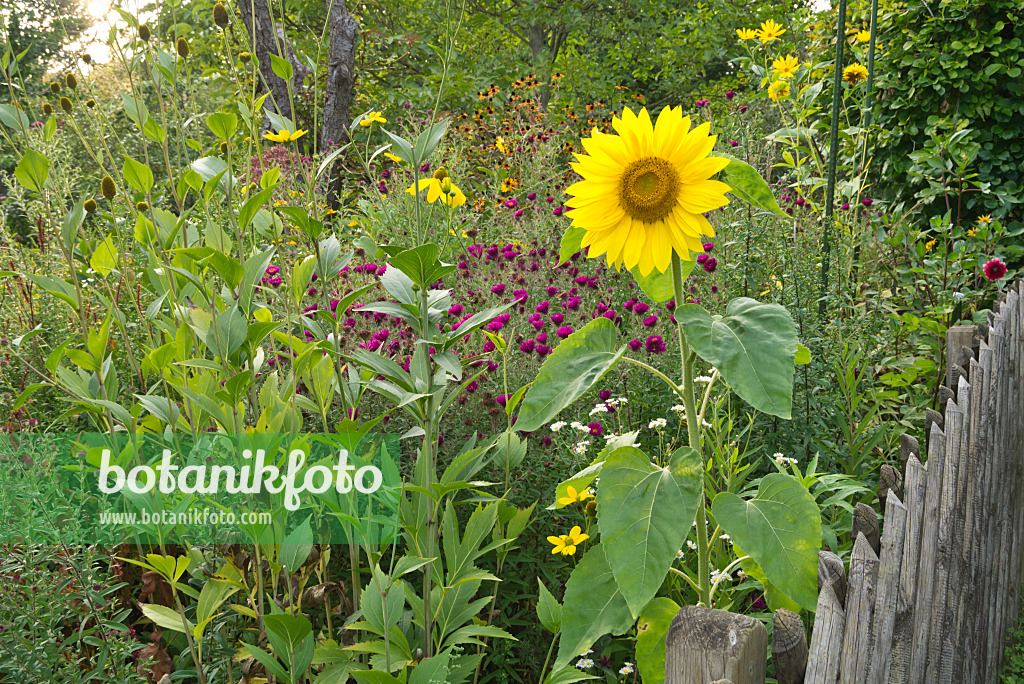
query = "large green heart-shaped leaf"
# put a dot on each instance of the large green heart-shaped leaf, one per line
(781, 530)
(651, 630)
(592, 607)
(747, 184)
(752, 346)
(574, 367)
(645, 512)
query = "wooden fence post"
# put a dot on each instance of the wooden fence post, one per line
(858, 641)
(704, 644)
(829, 623)
(889, 571)
(789, 647)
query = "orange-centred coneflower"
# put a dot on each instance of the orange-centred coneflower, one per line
(644, 191)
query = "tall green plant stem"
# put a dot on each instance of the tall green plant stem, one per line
(693, 433)
(833, 153)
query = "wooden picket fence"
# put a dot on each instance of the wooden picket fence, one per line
(929, 599)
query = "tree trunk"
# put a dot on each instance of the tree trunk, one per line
(259, 25)
(341, 80)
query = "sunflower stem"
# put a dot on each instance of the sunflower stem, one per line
(693, 432)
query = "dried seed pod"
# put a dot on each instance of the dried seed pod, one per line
(181, 45)
(223, 148)
(220, 15)
(65, 104)
(89, 205)
(70, 81)
(47, 109)
(87, 58)
(90, 103)
(142, 206)
(55, 87)
(144, 33)
(245, 56)
(107, 187)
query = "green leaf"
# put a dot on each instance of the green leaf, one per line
(137, 175)
(421, 265)
(651, 630)
(645, 512)
(32, 170)
(223, 124)
(296, 547)
(268, 661)
(549, 610)
(383, 610)
(802, 356)
(72, 221)
(747, 184)
(291, 637)
(576, 365)
(104, 257)
(165, 617)
(282, 67)
(301, 277)
(781, 530)
(570, 244)
(772, 595)
(12, 117)
(658, 286)
(593, 607)
(136, 109)
(567, 675)
(752, 346)
(432, 670)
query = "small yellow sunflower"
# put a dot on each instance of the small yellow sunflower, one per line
(284, 135)
(566, 544)
(769, 31)
(985, 220)
(572, 496)
(371, 118)
(645, 190)
(863, 36)
(746, 34)
(855, 73)
(440, 187)
(786, 67)
(778, 90)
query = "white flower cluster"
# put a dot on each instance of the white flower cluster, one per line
(702, 378)
(555, 427)
(600, 408)
(679, 408)
(580, 427)
(580, 448)
(716, 575)
(657, 424)
(585, 663)
(783, 460)
(627, 669)
(690, 544)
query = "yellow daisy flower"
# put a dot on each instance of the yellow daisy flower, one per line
(566, 544)
(863, 36)
(372, 117)
(284, 135)
(928, 245)
(769, 31)
(778, 90)
(786, 67)
(985, 220)
(572, 496)
(644, 191)
(440, 187)
(394, 157)
(500, 144)
(855, 73)
(746, 34)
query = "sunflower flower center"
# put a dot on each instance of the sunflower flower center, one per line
(648, 189)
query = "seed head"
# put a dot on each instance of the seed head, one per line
(245, 56)
(70, 81)
(65, 104)
(107, 187)
(90, 103)
(55, 87)
(142, 206)
(223, 148)
(181, 45)
(591, 508)
(144, 33)
(220, 15)
(90, 205)
(47, 108)
(87, 58)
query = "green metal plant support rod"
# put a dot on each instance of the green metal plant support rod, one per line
(871, 65)
(832, 148)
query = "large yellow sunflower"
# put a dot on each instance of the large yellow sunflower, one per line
(644, 190)
(855, 73)
(770, 30)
